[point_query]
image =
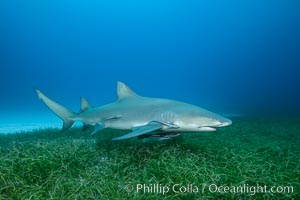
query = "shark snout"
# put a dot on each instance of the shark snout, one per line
(225, 122)
(216, 123)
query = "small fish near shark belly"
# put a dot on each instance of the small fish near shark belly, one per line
(160, 136)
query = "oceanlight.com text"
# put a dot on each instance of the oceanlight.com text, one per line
(245, 188)
(203, 188)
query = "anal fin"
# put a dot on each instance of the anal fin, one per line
(98, 127)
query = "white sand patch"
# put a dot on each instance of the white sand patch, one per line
(22, 122)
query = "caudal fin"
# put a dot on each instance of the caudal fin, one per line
(62, 112)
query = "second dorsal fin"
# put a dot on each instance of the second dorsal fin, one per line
(84, 104)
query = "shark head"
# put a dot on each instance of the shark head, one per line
(198, 119)
(212, 121)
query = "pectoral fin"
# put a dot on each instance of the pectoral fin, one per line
(141, 130)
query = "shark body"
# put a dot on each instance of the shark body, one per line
(146, 117)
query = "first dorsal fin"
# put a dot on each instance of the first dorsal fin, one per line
(124, 91)
(84, 104)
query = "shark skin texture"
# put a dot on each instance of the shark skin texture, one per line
(144, 116)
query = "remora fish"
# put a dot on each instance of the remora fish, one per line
(146, 117)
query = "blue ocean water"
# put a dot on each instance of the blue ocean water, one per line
(231, 57)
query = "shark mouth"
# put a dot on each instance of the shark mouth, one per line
(206, 128)
(213, 128)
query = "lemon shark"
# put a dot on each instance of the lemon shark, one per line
(144, 116)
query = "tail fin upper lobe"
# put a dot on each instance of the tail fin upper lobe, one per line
(62, 112)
